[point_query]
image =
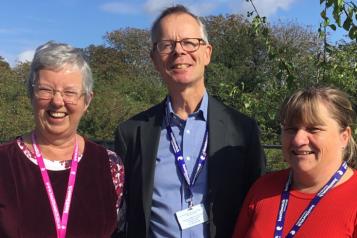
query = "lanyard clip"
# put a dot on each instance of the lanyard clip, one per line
(190, 203)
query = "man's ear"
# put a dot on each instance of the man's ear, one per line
(208, 53)
(153, 59)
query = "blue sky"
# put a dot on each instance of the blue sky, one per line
(24, 24)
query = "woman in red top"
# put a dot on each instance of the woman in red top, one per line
(317, 195)
(53, 181)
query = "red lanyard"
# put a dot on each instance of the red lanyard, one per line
(61, 223)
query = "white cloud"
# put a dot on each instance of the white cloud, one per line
(25, 56)
(154, 7)
(199, 7)
(207, 7)
(203, 9)
(121, 8)
(265, 7)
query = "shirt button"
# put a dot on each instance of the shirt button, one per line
(188, 131)
(188, 158)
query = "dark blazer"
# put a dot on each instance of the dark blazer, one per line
(235, 161)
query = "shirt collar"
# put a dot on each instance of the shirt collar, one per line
(201, 112)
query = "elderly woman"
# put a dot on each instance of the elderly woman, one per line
(317, 195)
(53, 181)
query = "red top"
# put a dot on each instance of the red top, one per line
(25, 210)
(334, 216)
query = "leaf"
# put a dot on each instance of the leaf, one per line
(279, 75)
(328, 49)
(350, 12)
(337, 17)
(290, 80)
(326, 22)
(323, 14)
(329, 3)
(347, 24)
(340, 3)
(353, 33)
(332, 26)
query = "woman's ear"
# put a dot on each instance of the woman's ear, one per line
(345, 136)
(88, 100)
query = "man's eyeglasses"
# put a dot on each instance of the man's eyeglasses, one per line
(70, 96)
(188, 44)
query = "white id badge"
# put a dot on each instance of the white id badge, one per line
(192, 216)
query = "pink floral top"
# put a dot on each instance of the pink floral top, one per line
(116, 166)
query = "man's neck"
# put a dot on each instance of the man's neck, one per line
(186, 101)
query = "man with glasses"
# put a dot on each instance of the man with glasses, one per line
(189, 160)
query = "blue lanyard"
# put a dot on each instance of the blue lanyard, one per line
(200, 162)
(305, 214)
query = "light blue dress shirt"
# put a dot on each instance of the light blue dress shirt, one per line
(170, 192)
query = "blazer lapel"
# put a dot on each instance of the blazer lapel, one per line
(149, 143)
(216, 137)
(216, 126)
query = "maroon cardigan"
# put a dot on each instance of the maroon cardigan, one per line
(25, 210)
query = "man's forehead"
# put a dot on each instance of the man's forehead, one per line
(183, 18)
(179, 24)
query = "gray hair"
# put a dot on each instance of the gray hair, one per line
(54, 56)
(302, 107)
(178, 9)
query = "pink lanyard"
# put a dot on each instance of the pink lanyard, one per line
(61, 224)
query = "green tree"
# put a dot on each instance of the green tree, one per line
(4, 66)
(122, 87)
(135, 45)
(15, 108)
(344, 15)
(244, 75)
(106, 62)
